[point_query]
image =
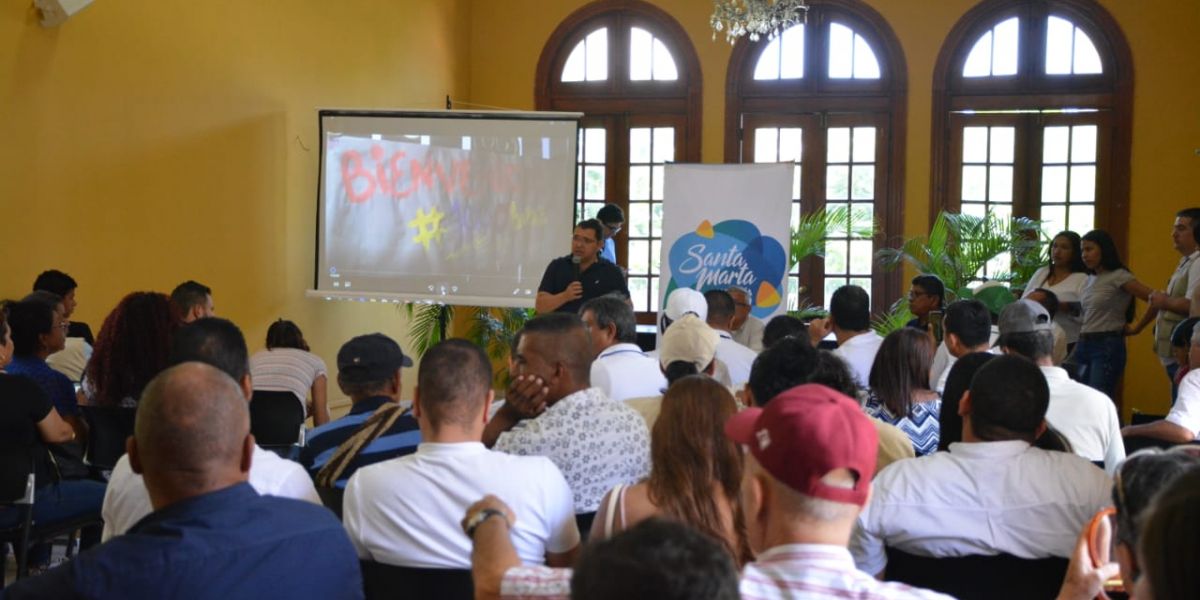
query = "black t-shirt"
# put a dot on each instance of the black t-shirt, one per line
(23, 405)
(599, 279)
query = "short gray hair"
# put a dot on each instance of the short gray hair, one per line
(745, 292)
(611, 309)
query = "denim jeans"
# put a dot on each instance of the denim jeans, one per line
(1101, 362)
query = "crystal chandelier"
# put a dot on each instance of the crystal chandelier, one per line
(756, 18)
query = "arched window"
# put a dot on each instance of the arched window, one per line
(828, 95)
(629, 67)
(1031, 116)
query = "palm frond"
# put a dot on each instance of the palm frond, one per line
(895, 319)
(427, 325)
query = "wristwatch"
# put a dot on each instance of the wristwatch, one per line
(477, 519)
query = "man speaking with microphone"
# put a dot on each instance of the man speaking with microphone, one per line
(573, 279)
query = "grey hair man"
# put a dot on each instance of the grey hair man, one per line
(620, 367)
(747, 329)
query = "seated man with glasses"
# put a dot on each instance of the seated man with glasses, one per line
(611, 219)
(926, 295)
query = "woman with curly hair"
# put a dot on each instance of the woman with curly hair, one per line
(695, 472)
(131, 349)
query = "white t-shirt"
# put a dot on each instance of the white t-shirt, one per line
(286, 370)
(1186, 412)
(750, 334)
(126, 500)
(407, 511)
(980, 498)
(623, 371)
(72, 360)
(1067, 290)
(859, 352)
(737, 358)
(943, 360)
(1086, 417)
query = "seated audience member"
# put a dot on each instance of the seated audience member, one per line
(1182, 424)
(28, 422)
(1138, 479)
(1169, 549)
(993, 493)
(694, 471)
(192, 300)
(782, 366)
(406, 511)
(288, 366)
(967, 327)
(680, 302)
(553, 411)
(377, 427)
(211, 536)
(37, 331)
(1181, 343)
(781, 326)
(1049, 301)
(218, 343)
(1085, 416)
(747, 329)
(736, 357)
(900, 393)
(850, 321)
(656, 559)
(73, 358)
(131, 349)
(620, 368)
(926, 294)
(958, 381)
(688, 348)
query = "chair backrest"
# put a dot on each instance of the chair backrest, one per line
(332, 498)
(275, 418)
(979, 577)
(108, 428)
(389, 581)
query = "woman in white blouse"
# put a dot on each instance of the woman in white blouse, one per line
(287, 366)
(1066, 276)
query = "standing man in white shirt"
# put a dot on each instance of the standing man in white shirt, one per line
(993, 493)
(850, 321)
(736, 357)
(747, 329)
(620, 367)
(1175, 303)
(218, 343)
(1083, 415)
(405, 511)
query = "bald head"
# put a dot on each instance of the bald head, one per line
(192, 433)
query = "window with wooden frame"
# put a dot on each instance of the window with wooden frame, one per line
(828, 95)
(630, 68)
(1032, 104)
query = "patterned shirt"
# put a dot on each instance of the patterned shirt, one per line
(817, 571)
(530, 582)
(596, 442)
(921, 424)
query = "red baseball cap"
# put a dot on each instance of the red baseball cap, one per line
(807, 432)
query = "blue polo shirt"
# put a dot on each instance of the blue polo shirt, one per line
(56, 385)
(323, 441)
(231, 543)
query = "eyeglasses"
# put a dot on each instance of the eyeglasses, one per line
(913, 295)
(65, 325)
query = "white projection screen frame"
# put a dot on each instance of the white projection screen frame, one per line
(455, 207)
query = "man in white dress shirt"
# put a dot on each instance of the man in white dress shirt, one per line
(747, 329)
(968, 328)
(736, 357)
(405, 511)
(1083, 415)
(993, 492)
(219, 343)
(620, 368)
(850, 321)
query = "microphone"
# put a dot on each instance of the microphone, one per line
(575, 266)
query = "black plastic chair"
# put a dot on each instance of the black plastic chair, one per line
(382, 582)
(998, 577)
(276, 419)
(18, 495)
(332, 498)
(108, 428)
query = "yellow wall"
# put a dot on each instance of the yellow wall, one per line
(507, 38)
(151, 141)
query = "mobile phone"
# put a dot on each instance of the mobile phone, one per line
(935, 319)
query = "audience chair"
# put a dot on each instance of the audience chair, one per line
(275, 420)
(108, 428)
(391, 582)
(17, 496)
(332, 498)
(979, 577)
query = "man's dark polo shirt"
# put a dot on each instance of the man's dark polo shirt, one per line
(599, 279)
